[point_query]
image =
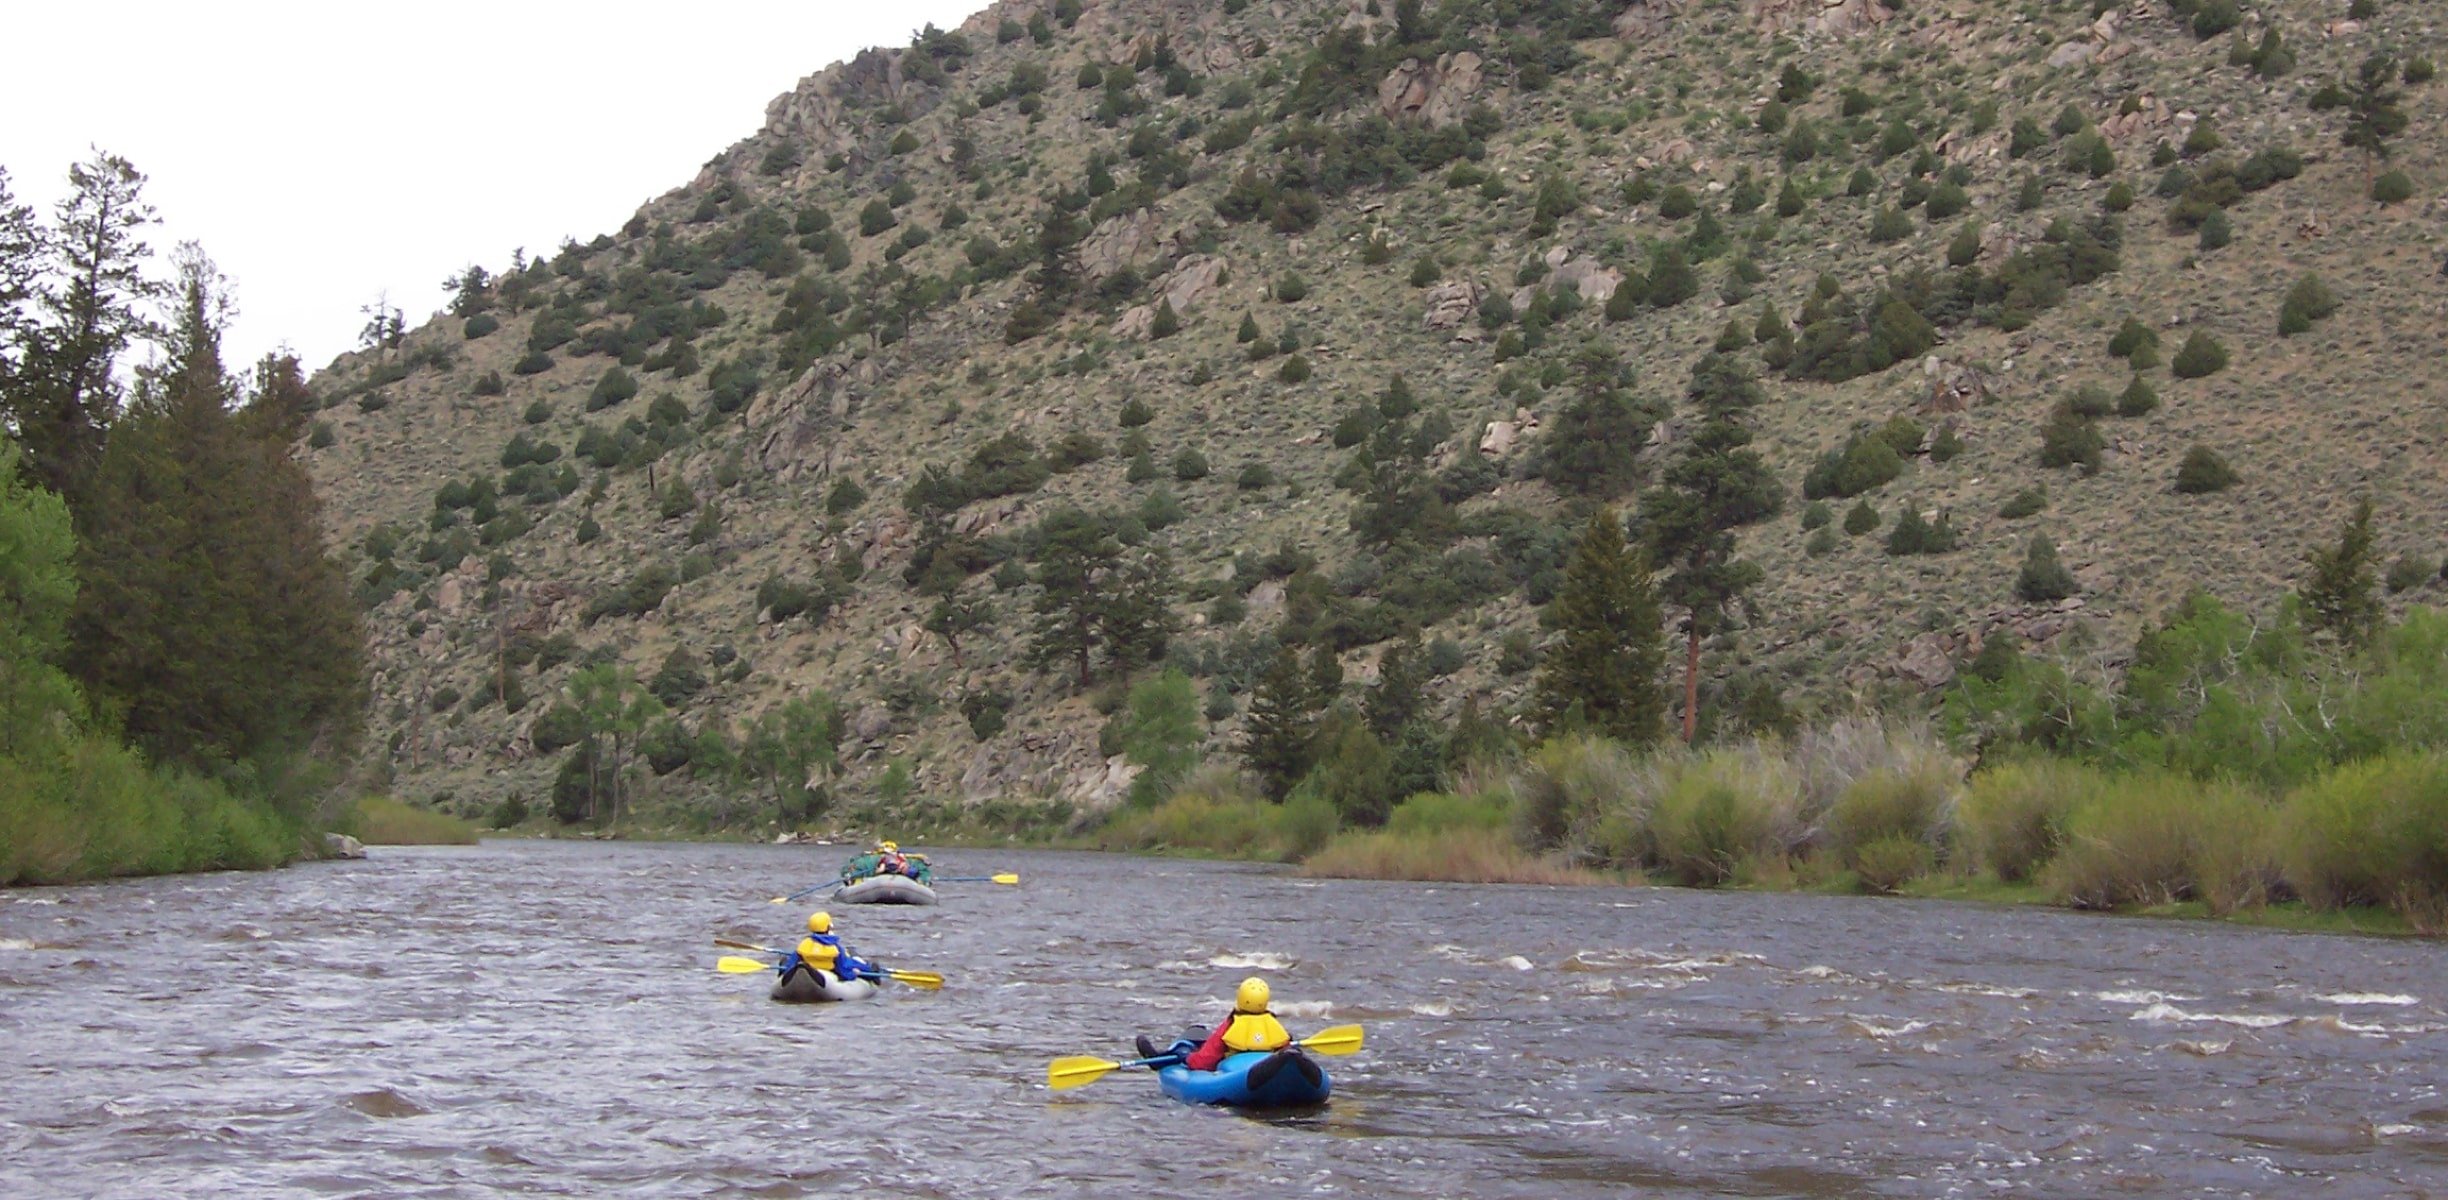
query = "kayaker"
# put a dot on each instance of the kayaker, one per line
(1249, 1027)
(822, 950)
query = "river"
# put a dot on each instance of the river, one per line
(542, 1018)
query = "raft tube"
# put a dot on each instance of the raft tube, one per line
(809, 987)
(1286, 1078)
(885, 889)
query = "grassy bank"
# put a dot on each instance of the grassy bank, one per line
(84, 808)
(383, 821)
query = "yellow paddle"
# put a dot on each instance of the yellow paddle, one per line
(1080, 1070)
(729, 964)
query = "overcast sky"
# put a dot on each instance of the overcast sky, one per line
(324, 152)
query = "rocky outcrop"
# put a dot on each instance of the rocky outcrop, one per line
(341, 845)
(1434, 94)
(1834, 19)
(1501, 436)
(1192, 280)
(1595, 281)
(1122, 240)
(1450, 305)
(1062, 765)
(802, 422)
(1644, 19)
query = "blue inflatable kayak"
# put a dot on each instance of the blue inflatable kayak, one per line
(1284, 1079)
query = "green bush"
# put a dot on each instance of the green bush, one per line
(2373, 832)
(2012, 819)
(2216, 230)
(1565, 786)
(479, 325)
(1861, 518)
(1887, 805)
(2392, 187)
(2202, 355)
(2024, 503)
(1723, 811)
(2138, 399)
(2308, 301)
(2156, 838)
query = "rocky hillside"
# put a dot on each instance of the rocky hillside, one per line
(2001, 270)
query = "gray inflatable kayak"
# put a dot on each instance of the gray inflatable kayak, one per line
(885, 889)
(809, 987)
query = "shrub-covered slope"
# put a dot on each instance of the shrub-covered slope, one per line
(2112, 277)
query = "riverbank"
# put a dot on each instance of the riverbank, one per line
(88, 808)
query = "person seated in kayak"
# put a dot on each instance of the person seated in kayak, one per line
(822, 950)
(1250, 1027)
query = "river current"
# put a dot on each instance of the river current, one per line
(543, 1018)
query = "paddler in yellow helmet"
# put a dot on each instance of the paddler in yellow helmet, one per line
(1250, 1027)
(822, 950)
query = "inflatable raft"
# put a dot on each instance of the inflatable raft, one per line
(809, 987)
(885, 889)
(1284, 1079)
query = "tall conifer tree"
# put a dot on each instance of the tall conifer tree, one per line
(1607, 663)
(1714, 488)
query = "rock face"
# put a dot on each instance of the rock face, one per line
(1450, 305)
(801, 423)
(1191, 281)
(1120, 241)
(341, 845)
(1820, 18)
(1595, 281)
(1645, 19)
(1434, 94)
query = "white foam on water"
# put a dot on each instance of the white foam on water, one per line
(1517, 962)
(1304, 1009)
(1989, 989)
(2168, 1014)
(1819, 971)
(2206, 1048)
(2395, 1130)
(2143, 998)
(2357, 999)
(1436, 1008)
(15, 944)
(1873, 1027)
(1258, 960)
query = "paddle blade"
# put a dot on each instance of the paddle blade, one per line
(735, 944)
(1334, 1040)
(732, 964)
(1076, 1071)
(779, 900)
(1007, 878)
(925, 981)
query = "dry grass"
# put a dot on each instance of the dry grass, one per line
(1448, 856)
(383, 821)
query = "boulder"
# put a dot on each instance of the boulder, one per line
(341, 845)
(1119, 241)
(1498, 440)
(1434, 94)
(1925, 661)
(1596, 282)
(1451, 305)
(1191, 281)
(1645, 19)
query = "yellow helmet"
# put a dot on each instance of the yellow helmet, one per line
(1253, 996)
(820, 922)
(887, 847)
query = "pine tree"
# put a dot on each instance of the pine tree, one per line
(91, 296)
(211, 617)
(2043, 578)
(1605, 666)
(1076, 549)
(1595, 447)
(2340, 596)
(1278, 736)
(1716, 487)
(1396, 700)
(2373, 112)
